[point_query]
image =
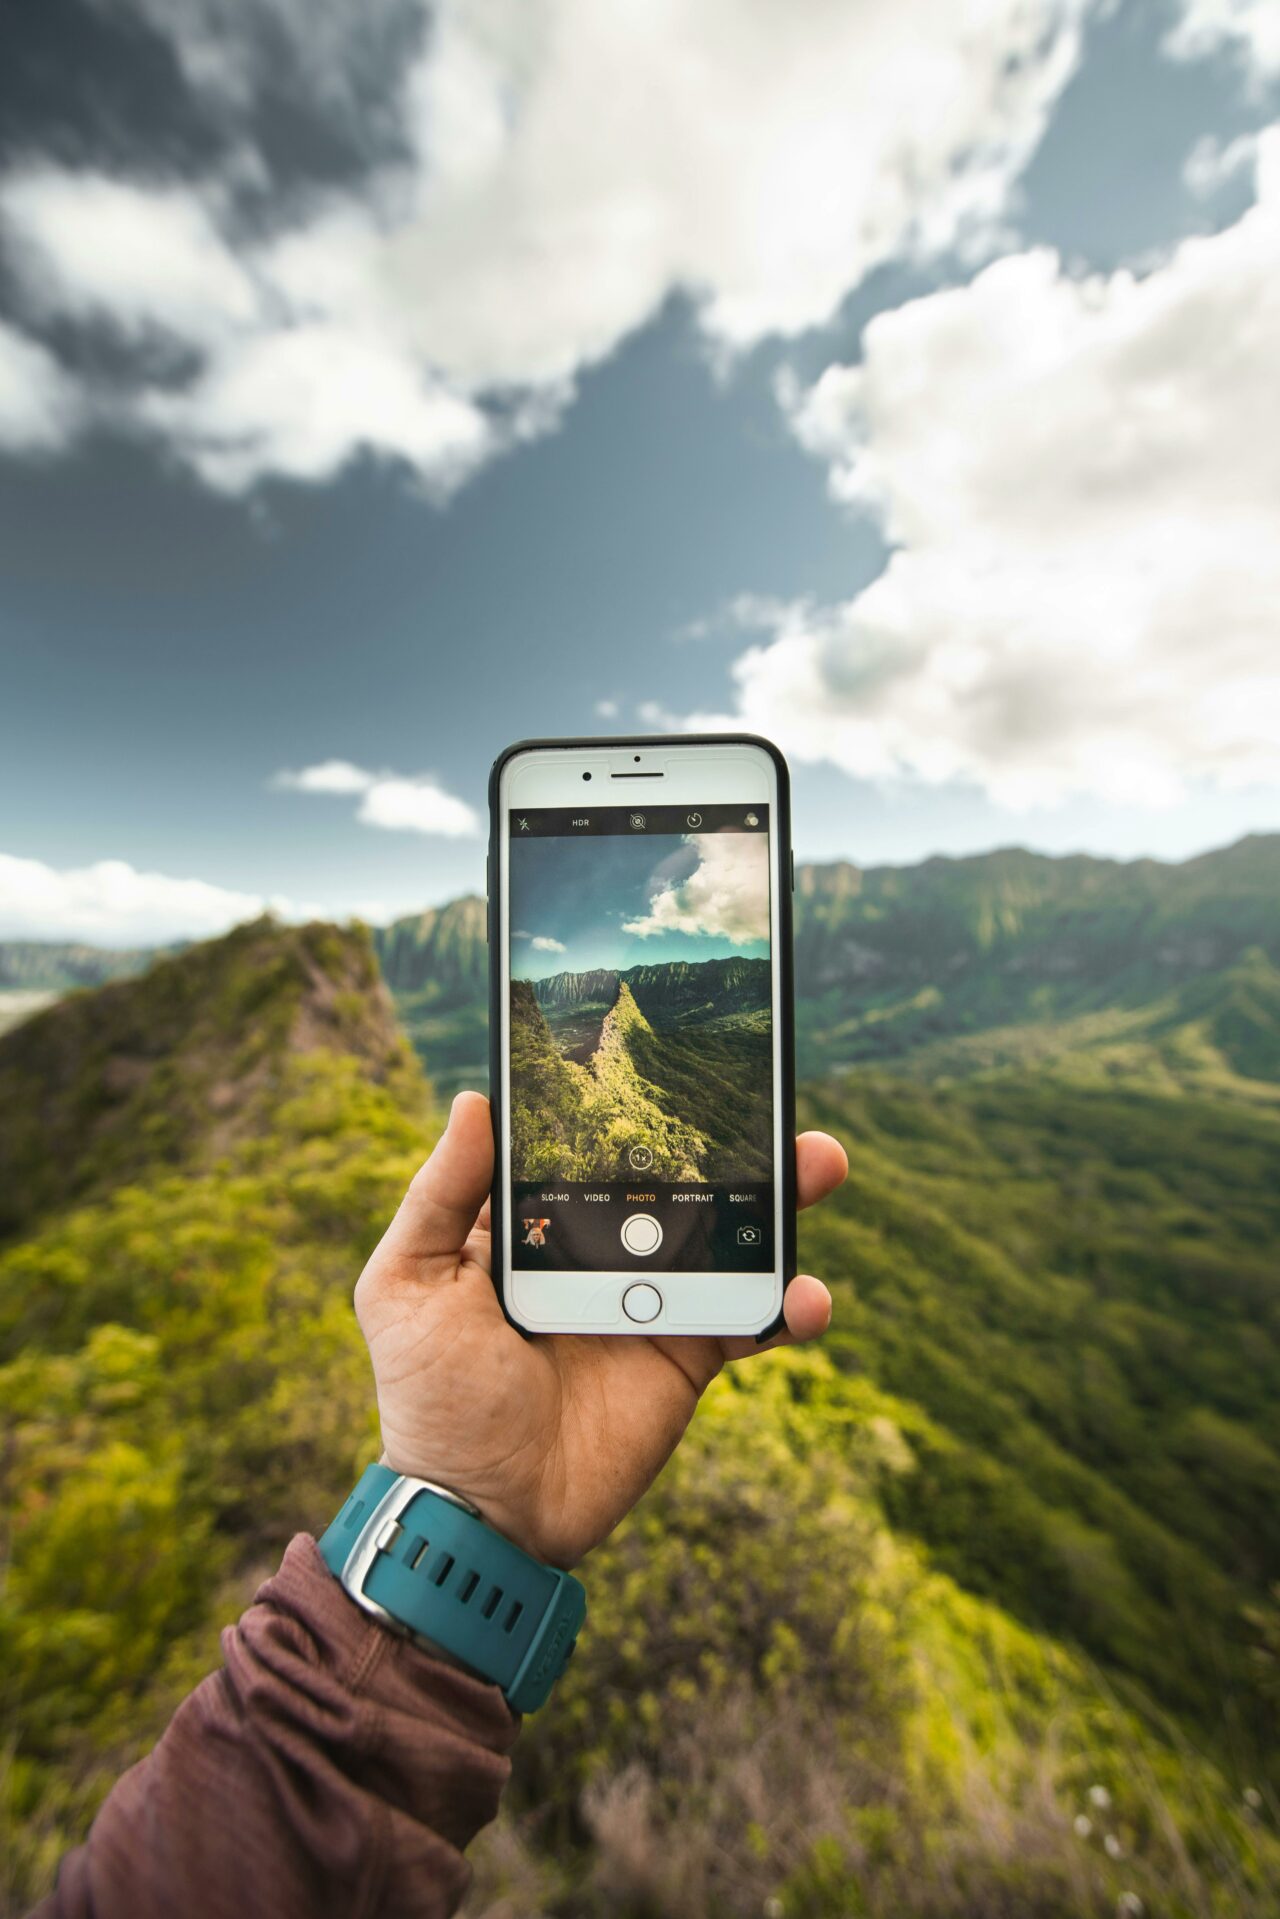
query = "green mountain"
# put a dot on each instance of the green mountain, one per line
(570, 1121)
(1074, 1284)
(947, 964)
(962, 965)
(973, 1611)
(722, 994)
(194, 1165)
(681, 1070)
(436, 964)
(145, 1073)
(440, 953)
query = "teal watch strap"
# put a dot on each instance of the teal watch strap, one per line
(425, 1563)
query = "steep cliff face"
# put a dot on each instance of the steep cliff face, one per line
(1026, 915)
(441, 952)
(673, 991)
(565, 991)
(682, 990)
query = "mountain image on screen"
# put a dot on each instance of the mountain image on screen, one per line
(674, 1057)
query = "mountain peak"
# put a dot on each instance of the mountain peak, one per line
(176, 1066)
(623, 1018)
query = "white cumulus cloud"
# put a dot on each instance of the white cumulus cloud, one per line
(543, 943)
(141, 255)
(726, 895)
(1080, 482)
(39, 406)
(328, 776)
(393, 801)
(560, 169)
(1249, 29)
(113, 904)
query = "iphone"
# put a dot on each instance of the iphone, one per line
(641, 1049)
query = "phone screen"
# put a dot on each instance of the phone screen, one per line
(641, 1056)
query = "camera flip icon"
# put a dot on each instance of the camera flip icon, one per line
(749, 1235)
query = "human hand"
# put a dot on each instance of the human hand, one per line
(554, 1438)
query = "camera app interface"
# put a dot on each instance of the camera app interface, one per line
(641, 1039)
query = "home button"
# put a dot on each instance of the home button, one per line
(642, 1303)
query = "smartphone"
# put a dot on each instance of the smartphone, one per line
(641, 1055)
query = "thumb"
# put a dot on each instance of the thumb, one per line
(439, 1210)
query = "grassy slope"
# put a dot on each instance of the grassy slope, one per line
(780, 1707)
(177, 1335)
(577, 1122)
(1043, 1291)
(1077, 1286)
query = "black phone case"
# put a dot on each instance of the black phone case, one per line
(782, 959)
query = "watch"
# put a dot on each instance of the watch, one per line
(420, 1558)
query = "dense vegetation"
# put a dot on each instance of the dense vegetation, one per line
(589, 1081)
(176, 1332)
(973, 1612)
(578, 1122)
(960, 963)
(1076, 1287)
(782, 1707)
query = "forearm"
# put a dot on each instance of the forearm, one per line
(328, 1767)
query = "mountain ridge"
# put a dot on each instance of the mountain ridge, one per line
(666, 990)
(172, 1065)
(953, 963)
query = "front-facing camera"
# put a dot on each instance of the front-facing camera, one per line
(586, 776)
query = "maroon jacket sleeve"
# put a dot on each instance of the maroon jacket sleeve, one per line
(329, 1767)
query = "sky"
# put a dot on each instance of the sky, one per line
(613, 902)
(381, 384)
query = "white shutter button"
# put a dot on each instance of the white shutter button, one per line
(641, 1234)
(642, 1303)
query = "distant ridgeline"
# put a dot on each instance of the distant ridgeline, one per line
(973, 1610)
(957, 965)
(935, 970)
(57, 965)
(668, 994)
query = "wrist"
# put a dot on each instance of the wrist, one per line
(497, 1517)
(421, 1560)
